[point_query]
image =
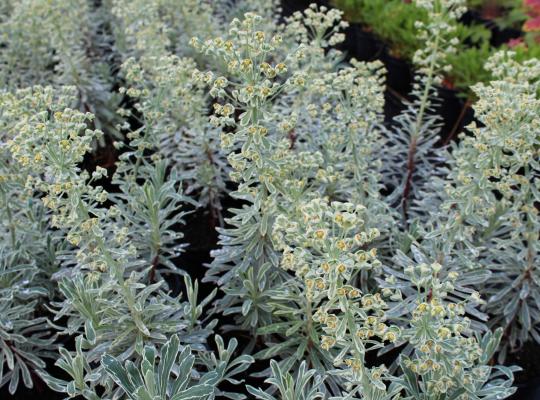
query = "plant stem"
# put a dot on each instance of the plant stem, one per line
(457, 123)
(411, 162)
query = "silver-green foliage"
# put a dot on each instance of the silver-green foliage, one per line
(28, 247)
(304, 385)
(314, 262)
(491, 196)
(60, 43)
(173, 376)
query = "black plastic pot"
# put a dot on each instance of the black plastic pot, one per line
(473, 17)
(400, 74)
(290, 6)
(499, 36)
(394, 104)
(360, 44)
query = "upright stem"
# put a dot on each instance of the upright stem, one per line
(411, 161)
(458, 122)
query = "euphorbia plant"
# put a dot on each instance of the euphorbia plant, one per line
(491, 192)
(361, 260)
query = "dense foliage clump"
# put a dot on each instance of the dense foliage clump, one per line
(360, 258)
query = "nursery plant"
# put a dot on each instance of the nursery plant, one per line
(358, 258)
(394, 22)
